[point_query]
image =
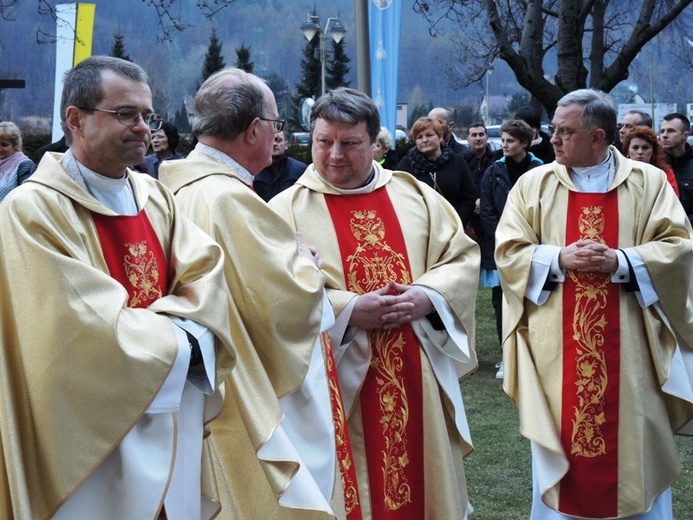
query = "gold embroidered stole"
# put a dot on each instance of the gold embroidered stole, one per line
(134, 256)
(345, 455)
(374, 253)
(591, 345)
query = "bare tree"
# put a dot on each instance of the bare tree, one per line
(167, 20)
(593, 42)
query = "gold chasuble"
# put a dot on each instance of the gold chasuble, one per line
(600, 372)
(589, 422)
(86, 335)
(373, 254)
(400, 388)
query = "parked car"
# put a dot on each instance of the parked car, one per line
(300, 138)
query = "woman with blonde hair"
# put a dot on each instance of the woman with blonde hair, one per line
(15, 167)
(641, 144)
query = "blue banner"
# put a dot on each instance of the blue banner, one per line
(384, 21)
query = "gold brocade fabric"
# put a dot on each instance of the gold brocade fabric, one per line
(652, 222)
(441, 257)
(79, 368)
(275, 319)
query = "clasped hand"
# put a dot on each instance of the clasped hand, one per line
(390, 307)
(588, 256)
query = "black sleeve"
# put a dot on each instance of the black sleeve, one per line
(468, 193)
(24, 171)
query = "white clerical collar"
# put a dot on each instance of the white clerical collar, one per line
(366, 188)
(596, 178)
(115, 194)
(220, 156)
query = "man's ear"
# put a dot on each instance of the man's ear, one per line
(598, 136)
(250, 133)
(73, 119)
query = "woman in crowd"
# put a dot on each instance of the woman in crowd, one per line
(164, 143)
(516, 138)
(382, 150)
(641, 144)
(433, 163)
(15, 167)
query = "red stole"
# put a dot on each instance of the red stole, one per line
(345, 455)
(134, 256)
(374, 253)
(591, 345)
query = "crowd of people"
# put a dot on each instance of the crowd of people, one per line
(235, 334)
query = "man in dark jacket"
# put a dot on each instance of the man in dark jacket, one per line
(673, 132)
(279, 175)
(479, 157)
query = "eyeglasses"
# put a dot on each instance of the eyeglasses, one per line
(564, 133)
(129, 117)
(278, 124)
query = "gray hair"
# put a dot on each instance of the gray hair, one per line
(83, 85)
(645, 118)
(9, 129)
(600, 111)
(385, 137)
(227, 102)
(347, 105)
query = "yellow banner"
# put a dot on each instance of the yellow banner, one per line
(84, 32)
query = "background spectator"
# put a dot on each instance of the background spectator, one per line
(281, 174)
(15, 167)
(641, 144)
(164, 144)
(382, 150)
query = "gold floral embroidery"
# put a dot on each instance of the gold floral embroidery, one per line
(351, 495)
(394, 407)
(373, 264)
(378, 261)
(589, 321)
(142, 272)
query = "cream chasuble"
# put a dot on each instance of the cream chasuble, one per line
(445, 263)
(274, 445)
(96, 364)
(648, 365)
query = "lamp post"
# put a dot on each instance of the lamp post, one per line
(488, 106)
(333, 27)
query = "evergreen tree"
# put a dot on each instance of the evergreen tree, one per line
(243, 59)
(338, 68)
(118, 47)
(180, 120)
(310, 85)
(213, 59)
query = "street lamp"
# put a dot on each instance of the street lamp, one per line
(488, 106)
(333, 27)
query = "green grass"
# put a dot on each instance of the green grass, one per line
(499, 470)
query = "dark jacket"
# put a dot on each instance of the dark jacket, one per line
(454, 181)
(152, 162)
(683, 170)
(456, 147)
(544, 150)
(495, 186)
(277, 177)
(389, 160)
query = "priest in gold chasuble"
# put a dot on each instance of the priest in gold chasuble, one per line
(594, 252)
(402, 279)
(280, 447)
(114, 330)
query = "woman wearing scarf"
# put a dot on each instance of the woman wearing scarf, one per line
(433, 163)
(15, 167)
